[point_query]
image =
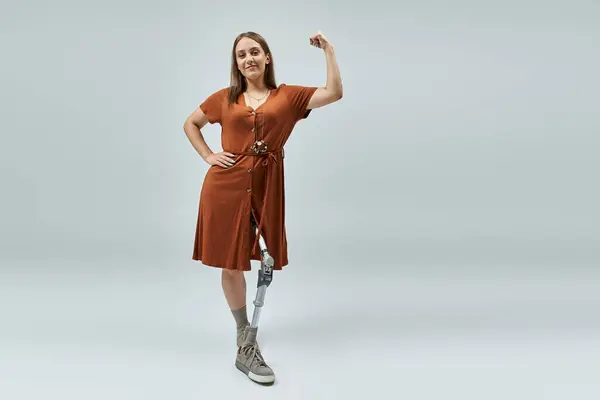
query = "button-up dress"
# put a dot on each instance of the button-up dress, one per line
(254, 185)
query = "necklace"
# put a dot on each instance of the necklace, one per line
(258, 99)
(266, 93)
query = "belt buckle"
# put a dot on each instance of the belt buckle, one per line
(259, 147)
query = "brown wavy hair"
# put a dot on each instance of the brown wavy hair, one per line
(238, 82)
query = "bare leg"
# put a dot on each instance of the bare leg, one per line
(234, 288)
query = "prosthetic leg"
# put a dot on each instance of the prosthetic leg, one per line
(249, 359)
(265, 277)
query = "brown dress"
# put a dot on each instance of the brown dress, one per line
(254, 185)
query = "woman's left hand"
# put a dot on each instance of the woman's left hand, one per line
(319, 40)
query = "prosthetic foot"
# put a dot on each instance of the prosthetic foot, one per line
(249, 359)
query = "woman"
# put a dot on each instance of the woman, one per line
(246, 179)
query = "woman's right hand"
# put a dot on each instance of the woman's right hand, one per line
(222, 159)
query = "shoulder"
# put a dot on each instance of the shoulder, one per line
(282, 88)
(291, 90)
(220, 93)
(286, 87)
(213, 105)
(216, 98)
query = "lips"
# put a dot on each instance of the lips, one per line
(252, 66)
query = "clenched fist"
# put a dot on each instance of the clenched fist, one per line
(319, 40)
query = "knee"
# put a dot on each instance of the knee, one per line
(232, 273)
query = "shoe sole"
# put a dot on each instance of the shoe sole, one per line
(253, 376)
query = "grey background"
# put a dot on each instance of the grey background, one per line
(442, 217)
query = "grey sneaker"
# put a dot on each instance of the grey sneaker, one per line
(240, 335)
(250, 361)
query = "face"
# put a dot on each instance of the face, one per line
(251, 58)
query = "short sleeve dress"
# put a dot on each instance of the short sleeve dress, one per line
(254, 185)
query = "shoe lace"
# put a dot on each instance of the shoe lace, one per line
(254, 351)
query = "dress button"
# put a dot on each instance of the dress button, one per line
(249, 190)
(253, 113)
(249, 169)
(252, 129)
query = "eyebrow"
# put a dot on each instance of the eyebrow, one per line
(251, 48)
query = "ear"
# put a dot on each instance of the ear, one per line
(268, 59)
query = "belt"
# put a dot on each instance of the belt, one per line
(270, 158)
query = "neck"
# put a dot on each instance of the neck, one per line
(256, 85)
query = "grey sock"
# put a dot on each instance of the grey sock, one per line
(241, 316)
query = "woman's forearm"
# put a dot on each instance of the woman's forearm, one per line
(334, 80)
(195, 137)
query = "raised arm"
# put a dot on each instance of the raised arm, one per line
(332, 91)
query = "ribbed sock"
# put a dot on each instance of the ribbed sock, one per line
(241, 316)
